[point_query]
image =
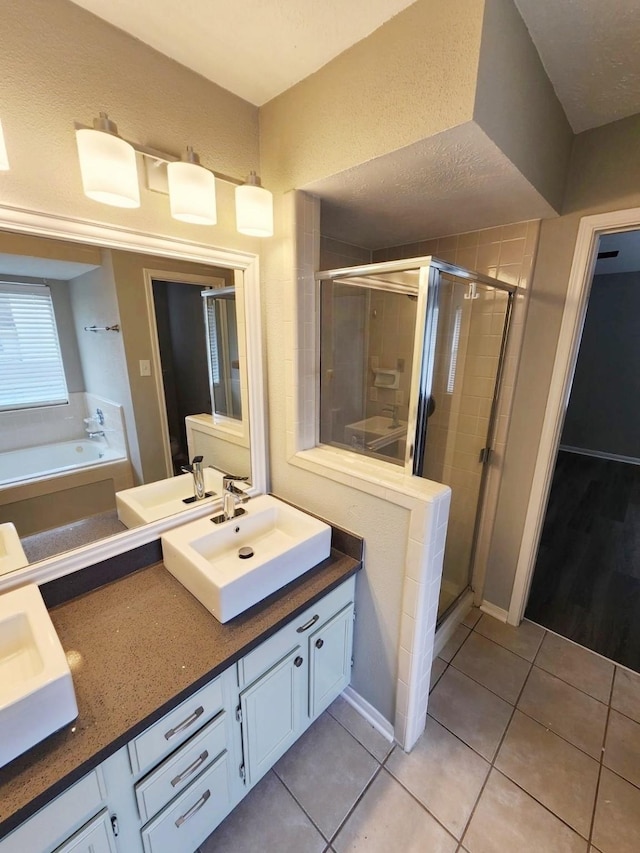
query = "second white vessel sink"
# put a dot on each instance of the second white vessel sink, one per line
(153, 501)
(232, 566)
(36, 689)
(12, 555)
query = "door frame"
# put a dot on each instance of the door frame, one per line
(573, 317)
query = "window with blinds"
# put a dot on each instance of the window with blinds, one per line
(31, 368)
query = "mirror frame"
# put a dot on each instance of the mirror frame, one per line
(111, 237)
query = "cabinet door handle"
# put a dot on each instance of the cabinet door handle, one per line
(185, 723)
(319, 643)
(195, 808)
(308, 624)
(298, 661)
(200, 760)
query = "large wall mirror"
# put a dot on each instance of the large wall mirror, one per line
(122, 359)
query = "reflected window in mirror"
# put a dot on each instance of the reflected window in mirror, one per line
(223, 355)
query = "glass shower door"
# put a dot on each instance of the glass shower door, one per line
(466, 332)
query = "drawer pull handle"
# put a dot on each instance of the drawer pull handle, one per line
(185, 723)
(200, 760)
(195, 808)
(319, 643)
(308, 624)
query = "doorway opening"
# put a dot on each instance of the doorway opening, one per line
(586, 580)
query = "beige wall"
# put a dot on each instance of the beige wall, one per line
(516, 105)
(604, 176)
(412, 78)
(60, 64)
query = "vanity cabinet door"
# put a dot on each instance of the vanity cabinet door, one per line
(95, 837)
(330, 660)
(272, 711)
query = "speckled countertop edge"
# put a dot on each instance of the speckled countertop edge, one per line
(137, 648)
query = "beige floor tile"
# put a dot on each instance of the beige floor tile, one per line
(472, 617)
(507, 820)
(493, 666)
(269, 820)
(617, 823)
(622, 748)
(388, 819)
(553, 771)
(626, 693)
(523, 640)
(578, 666)
(362, 731)
(470, 711)
(437, 668)
(457, 639)
(565, 710)
(444, 774)
(326, 771)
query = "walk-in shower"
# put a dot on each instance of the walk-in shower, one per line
(411, 356)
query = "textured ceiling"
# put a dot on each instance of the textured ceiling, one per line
(453, 182)
(591, 53)
(253, 48)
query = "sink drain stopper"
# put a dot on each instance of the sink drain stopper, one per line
(245, 552)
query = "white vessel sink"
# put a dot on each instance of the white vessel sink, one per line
(11, 554)
(143, 504)
(374, 433)
(36, 689)
(204, 557)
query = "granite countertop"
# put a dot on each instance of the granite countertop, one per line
(137, 647)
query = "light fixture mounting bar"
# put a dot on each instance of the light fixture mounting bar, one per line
(166, 157)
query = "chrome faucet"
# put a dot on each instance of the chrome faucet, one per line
(97, 434)
(393, 411)
(232, 496)
(198, 476)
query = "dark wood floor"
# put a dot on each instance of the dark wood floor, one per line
(586, 584)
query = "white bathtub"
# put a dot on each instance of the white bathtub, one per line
(49, 459)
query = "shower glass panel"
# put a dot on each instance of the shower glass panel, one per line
(366, 356)
(411, 355)
(467, 326)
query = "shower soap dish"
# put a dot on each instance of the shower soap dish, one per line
(386, 378)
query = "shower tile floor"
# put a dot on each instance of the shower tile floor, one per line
(532, 746)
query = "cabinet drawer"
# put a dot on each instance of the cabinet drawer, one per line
(57, 820)
(175, 727)
(95, 837)
(276, 647)
(178, 771)
(186, 822)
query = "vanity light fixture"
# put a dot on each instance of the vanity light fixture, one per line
(192, 190)
(254, 208)
(107, 164)
(4, 159)
(109, 175)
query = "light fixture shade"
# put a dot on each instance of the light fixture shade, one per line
(254, 209)
(192, 193)
(108, 168)
(4, 159)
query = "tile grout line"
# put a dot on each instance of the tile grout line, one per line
(340, 723)
(495, 755)
(601, 763)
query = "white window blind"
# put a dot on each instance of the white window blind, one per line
(31, 369)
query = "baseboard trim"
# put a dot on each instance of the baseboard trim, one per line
(600, 454)
(493, 610)
(371, 714)
(446, 630)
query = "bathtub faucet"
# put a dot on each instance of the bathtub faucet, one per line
(98, 434)
(393, 411)
(198, 476)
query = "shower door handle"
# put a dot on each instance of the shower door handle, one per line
(485, 455)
